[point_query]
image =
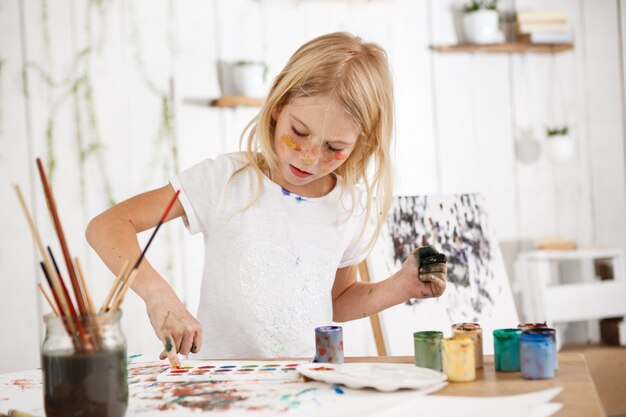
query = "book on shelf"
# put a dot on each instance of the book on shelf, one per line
(523, 27)
(543, 26)
(541, 16)
(545, 37)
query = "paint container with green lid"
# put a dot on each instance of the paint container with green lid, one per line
(428, 349)
(506, 349)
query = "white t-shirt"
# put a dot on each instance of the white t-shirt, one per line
(268, 270)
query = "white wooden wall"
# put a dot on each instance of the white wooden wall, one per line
(458, 116)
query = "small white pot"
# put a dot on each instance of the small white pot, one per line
(249, 79)
(481, 26)
(560, 148)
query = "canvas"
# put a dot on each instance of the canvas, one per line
(478, 288)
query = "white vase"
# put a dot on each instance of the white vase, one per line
(560, 148)
(481, 26)
(249, 79)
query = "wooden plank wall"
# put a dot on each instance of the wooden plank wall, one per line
(101, 75)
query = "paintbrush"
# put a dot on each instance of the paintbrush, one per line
(48, 299)
(79, 325)
(52, 208)
(131, 277)
(55, 286)
(119, 280)
(82, 343)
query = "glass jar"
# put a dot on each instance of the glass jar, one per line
(506, 349)
(536, 351)
(474, 332)
(428, 349)
(457, 359)
(84, 374)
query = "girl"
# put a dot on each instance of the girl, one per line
(285, 222)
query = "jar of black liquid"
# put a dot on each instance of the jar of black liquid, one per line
(84, 366)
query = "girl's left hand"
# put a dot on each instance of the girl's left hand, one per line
(424, 281)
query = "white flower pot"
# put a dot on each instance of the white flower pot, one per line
(560, 148)
(249, 79)
(481, 26)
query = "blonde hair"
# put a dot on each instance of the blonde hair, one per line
(355, 74)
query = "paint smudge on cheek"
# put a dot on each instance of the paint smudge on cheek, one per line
(340, 155)
(291, 143)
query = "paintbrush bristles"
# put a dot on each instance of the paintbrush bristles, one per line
(116, 285)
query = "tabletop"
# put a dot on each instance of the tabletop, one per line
(579, 396)
(23, 391)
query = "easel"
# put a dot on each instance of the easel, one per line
(374, 319)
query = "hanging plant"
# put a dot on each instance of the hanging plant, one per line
(74, 89)
(559, 143)
(165, 149)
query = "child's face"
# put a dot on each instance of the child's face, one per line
(314, 136)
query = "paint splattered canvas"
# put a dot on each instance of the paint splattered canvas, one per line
(198, 371)
(478, 288)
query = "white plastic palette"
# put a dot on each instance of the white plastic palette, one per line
(198, 371)
(380, 376)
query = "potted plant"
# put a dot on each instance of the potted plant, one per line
(249, 78)
(480, 22)
(559, 142)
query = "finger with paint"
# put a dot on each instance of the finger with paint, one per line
(430, 261)
(170, 352)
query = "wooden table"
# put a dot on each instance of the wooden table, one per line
(579, 395)
(24, 391)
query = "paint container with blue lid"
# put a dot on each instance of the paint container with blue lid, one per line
(537, 350)
(506, 349)
(428, 349)
(328, 344)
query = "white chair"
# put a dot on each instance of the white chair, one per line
(564, 286)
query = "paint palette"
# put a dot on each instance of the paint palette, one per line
(198, 371)
(380, 376)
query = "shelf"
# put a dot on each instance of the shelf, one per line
(506, 47)
(225, 101)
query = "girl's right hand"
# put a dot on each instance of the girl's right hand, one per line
(177, 329)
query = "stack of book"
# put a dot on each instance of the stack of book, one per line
(543, 27)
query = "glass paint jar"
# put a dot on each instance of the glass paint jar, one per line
(458, 359)
(428, 349)
(506, 349)
(552, 333)
(85, 382)
(473, 332)
(328, 344)
(536, 349)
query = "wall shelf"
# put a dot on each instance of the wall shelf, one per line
(225, 101)
(509, 47)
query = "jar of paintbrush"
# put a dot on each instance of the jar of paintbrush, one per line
(84, 366)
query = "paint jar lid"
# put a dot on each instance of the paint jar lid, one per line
(328, 329)
(527, 326)
(428, 335)
(534, 335)
(466, 327)
(542, 330)
(506, 334)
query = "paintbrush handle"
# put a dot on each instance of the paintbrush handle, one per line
(61, 235)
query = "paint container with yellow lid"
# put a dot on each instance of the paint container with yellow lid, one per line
(473, 332)
(458, 360)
